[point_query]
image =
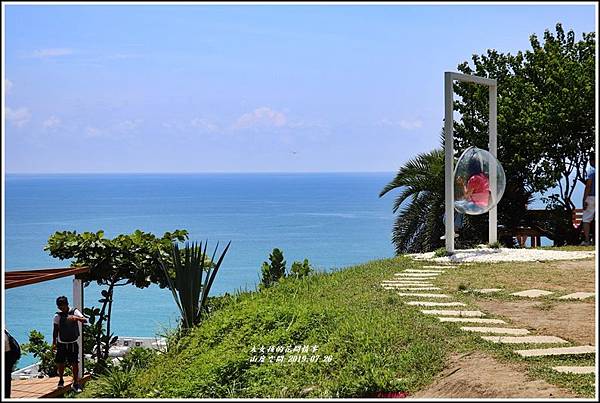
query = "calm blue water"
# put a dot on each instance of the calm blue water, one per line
(334, 220)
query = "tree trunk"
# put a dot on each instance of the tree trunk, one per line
(108, 320)
(101, 319)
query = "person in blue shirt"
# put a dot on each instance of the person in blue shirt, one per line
(589, 201)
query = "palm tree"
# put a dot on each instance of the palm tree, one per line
(419, 225)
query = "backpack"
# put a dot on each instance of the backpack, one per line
(68, 330)
(15, 349)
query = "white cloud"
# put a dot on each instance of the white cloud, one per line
(126, 129)
(51, 123)
(403, 124)
(18, 117)
(203, 124)
(8, 85)
(91, 131)
(121, 56)
(261, 117)
(127, 126)
(51, 52)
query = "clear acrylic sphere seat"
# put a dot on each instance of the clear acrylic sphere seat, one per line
(479, 182)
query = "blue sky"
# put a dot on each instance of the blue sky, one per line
(197, 88)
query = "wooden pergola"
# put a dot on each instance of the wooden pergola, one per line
(18, 278)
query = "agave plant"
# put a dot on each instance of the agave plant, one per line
(194, 273)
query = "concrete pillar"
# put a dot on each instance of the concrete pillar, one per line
(78, 303)
(449, 159)
(493, 148)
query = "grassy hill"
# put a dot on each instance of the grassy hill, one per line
(361, 339)
(374, 342)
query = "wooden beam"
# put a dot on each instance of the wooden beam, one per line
(20, 278)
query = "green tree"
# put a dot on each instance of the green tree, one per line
(124, 260)
(273, 271)
(546, 120)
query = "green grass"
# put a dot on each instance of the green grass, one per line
(590, 248)
(377, 344)
(517, 277)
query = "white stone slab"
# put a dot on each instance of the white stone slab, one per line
(409, 283)
(410, 294)
(484, 290)
(524, 339)
(416, 274)
(439, 267)
(400, 279)
(496, 330)
(427, 303)
(409, 280)
(532, 293)
(442, 312)
(539, 352)
(578, 295)
(417, 288)
(576, 370)
(393, 286)
(473, 320)
(423, 271)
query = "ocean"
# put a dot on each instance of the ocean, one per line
(332, 219)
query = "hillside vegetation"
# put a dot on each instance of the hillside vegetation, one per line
(374, 342)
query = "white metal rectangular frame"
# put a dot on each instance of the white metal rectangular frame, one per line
(449, 78)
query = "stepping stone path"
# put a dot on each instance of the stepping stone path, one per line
(414, 280)
(532, 293)
(524, 339)
(484, 290)
(427, 303)
(540, 352)
(496, 330)
(392, 286)
(423, 271)
(472, 320)
(416, 274)
(575, 370)
(452, 313)
(578, 295)
(408, 280)
(410, 294)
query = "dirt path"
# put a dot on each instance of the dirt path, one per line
(478, 375)
(573, 321)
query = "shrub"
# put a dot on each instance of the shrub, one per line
(114, 383)
(273, 271)
(300, 270)
(137, 358)
(117, 380)
(42, 350)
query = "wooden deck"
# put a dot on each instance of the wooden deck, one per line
(41, 387)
